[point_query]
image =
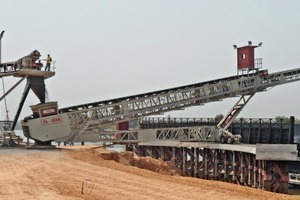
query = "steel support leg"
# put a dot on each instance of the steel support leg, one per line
(196, 160)
(216, 165)
(206, 163)
(226, 166)
(174, 155)
(234, 165)
(201, 165)
(276, 176)
(184, 159)
(260, 186)
(250, 170)
(242, 180)
(255, 172)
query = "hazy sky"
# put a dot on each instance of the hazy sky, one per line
(108, 49)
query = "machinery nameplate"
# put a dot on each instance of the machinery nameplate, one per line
(51, 120)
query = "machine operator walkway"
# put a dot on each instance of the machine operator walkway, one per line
(16, 70)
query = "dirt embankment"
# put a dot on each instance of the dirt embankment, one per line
(144, 167)
(129, 159)
(95, 173)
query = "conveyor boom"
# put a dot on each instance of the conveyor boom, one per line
(178, 98)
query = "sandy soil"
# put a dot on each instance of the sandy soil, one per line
(99, 174)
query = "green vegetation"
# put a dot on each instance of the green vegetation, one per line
(278, 119)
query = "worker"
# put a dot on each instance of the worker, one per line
(48, 62)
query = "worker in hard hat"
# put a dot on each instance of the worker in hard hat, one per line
(48, 62)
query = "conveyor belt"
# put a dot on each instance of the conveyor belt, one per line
(290, 74)
(84, 117)
(137, 96)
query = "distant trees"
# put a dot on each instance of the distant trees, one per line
(282, 119)
(285, 119)
(278, 119)
(219, 117)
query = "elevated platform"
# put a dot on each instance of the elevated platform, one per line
(28, 72)
(34, 72)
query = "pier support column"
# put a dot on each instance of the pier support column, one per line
(174, 155)
(201, 165)
(190, 164)
(260, 186)
(184, 160)
(234, 166)
(196, 160)
(178, 158)
(226, 171)
(155, 152)
(255, 172)
(216, 165)
(250, 170)
(148, 151)
(168, 153)
(242, 163)
(136, 149)
(276, 178)
(162, 153)
(206, 163)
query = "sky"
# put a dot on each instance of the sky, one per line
(107, 49)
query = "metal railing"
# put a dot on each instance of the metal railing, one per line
(258, 63)
(17, 66)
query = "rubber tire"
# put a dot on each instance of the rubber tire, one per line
(230, 140)
(223, 139)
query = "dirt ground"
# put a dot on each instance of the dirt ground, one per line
(95, 173)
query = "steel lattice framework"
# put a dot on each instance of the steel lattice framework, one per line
(85, 117)
(132, 107)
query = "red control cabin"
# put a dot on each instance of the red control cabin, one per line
(246, 61)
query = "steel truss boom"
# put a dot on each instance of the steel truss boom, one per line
(177, 98)
(86, 117)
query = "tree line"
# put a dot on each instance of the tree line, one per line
(278, 119)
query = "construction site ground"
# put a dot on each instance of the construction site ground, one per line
(90, 172)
